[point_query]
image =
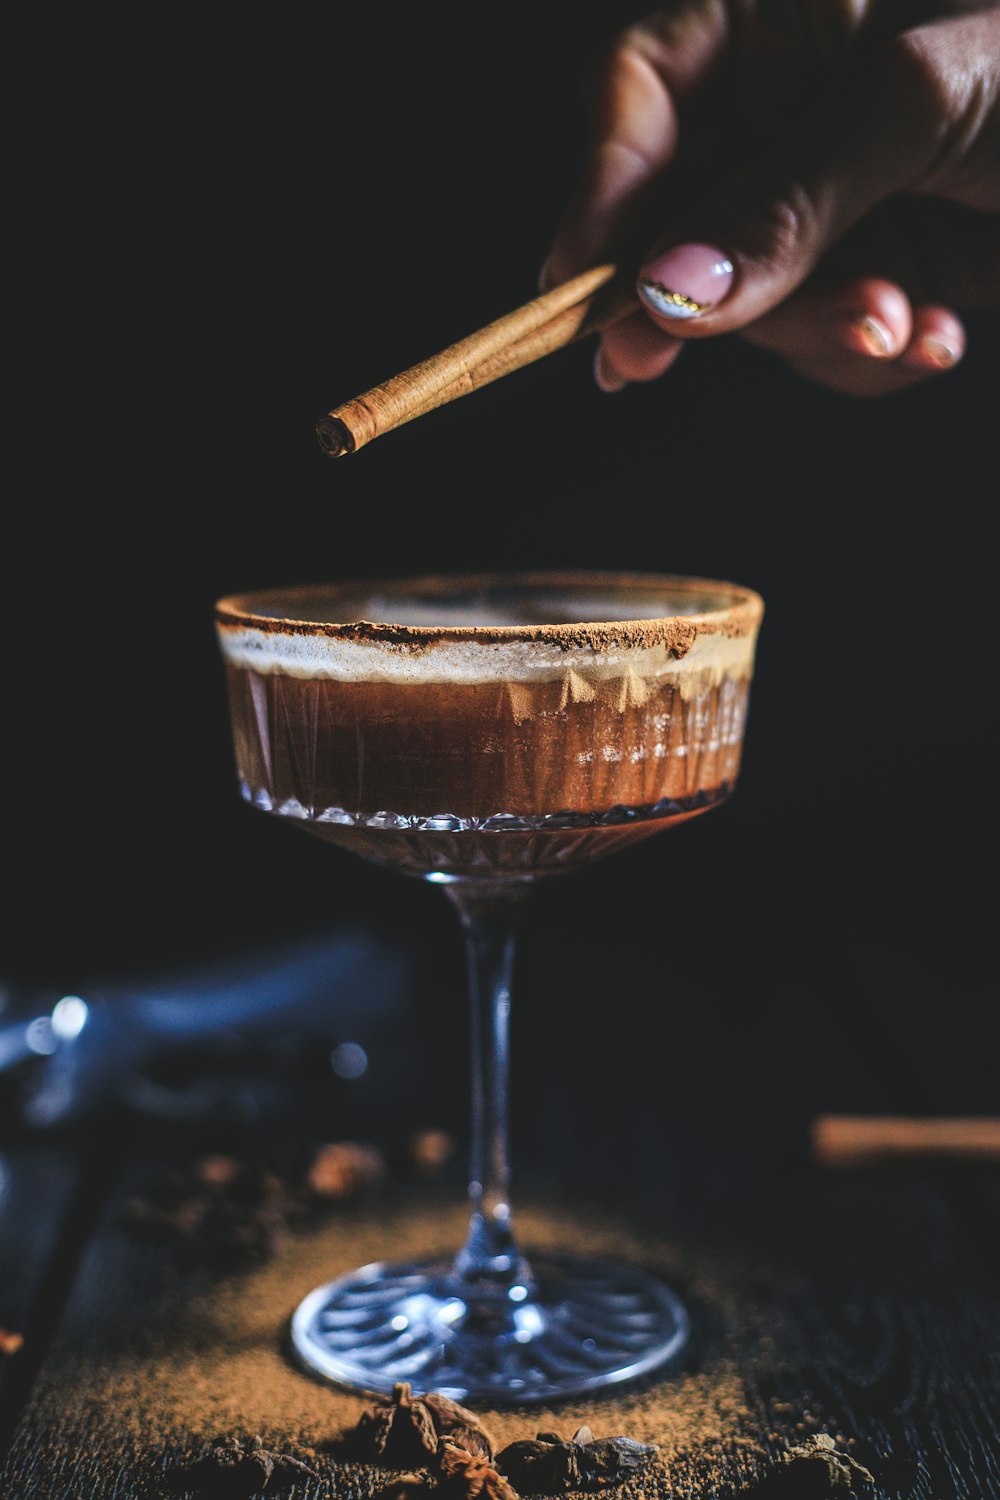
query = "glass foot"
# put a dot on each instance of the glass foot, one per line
(576, 1325)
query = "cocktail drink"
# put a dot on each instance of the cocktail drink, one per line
(482, 733)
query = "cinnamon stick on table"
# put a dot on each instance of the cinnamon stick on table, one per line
(549, 322)
(851, 1140)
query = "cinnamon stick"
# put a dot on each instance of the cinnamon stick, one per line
(852, 1140)
(549, 322)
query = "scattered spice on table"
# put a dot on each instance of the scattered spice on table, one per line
(453, 1474)
(232, 1212)
(234, 1468)
(223, 1210)
(813, 1470)
(405, 1487)
(434, 1433)
(218, 1171)
(10, 1343)
(209, 1355)
(405, 1431)
(461, 1475)
(430, 1150)
(343, 1168)
(550, 1463)
(460, 1425)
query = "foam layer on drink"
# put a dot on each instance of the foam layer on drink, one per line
(432, 632)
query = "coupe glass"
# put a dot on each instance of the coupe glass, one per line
(484, 733)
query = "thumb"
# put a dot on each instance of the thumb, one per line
(880, 129)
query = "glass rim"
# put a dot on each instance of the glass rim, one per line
(738, 612)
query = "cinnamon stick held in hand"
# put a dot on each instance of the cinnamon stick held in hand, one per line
(568, 312)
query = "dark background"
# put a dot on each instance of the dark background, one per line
(235, 230)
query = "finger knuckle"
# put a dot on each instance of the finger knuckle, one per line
(778, 218)
(627, 49)
(916, 67)
(947, 84)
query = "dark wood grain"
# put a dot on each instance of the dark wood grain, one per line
(38, 1184)
(55, 1191)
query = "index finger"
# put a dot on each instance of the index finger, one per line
(635, 141)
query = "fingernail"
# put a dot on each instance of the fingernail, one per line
(686, 282)
(875, 337)
(607, 377)
(938, 351)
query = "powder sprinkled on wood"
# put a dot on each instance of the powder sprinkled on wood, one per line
(184, 1354)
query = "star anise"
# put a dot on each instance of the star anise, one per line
(459, 1424)
(404, 1433)
(399, 1434)
(815, 1469)
(455, 1474)
(236, 1468)
(462, 1475)
(550, 1463)
(473, 1440)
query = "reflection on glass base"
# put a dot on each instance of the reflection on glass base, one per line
(580, 1324)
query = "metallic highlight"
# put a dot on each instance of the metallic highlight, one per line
(671, 304)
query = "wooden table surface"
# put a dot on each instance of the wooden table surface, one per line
(863, 1302)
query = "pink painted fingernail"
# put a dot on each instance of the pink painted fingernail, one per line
(686, 282)
(607, 377)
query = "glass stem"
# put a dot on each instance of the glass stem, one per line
(489, 915)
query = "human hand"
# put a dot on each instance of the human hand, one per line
(808, 174)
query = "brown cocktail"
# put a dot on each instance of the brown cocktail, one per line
(417, 743)
(482, 732)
